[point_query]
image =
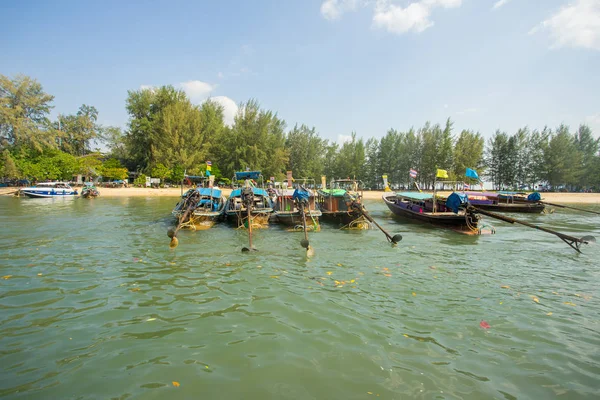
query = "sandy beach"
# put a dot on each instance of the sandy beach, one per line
(567, 198)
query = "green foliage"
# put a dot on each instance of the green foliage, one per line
(9, 168)
(75, 132)
(256, 140)
(24, 109)
(52, 165)
(140, 180)
(113, 170)
(161, 171)
(468, 153)
(306, 152)
(177, 174)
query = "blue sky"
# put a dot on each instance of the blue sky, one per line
(341, 66)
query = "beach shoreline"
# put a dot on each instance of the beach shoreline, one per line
(552, 197)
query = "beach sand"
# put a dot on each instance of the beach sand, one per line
(566, 198)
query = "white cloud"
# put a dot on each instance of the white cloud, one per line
(593, 121)
(499, 4)
(344, 139)
(574, 25)
(395, 19)
(333, 9)
(230, 109)
(197, 90)
(414, 17)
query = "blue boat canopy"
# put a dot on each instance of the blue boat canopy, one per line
(256, 191)
(210, 192)
(241, 175)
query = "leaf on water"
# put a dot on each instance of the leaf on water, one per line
(5, 277)
(500, 302)
(329, 272)
(554, 292)
(549, 314)
(175, 383)
(484, 325)
(274, 276)
(369, 392)
(339, 265)
(505, 287)
(352, 281)
(432, 267)
(405, 335)
(388, 275)
(151, 319)
(135, 259)
(386, 269)
(137, 289)
(577, 295)
(414, 293)
(259, 266)
(40, 274)
(570, 304)
(535, 299)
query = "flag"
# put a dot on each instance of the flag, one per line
(471, 173)
(413, 173)
(208, 163)
(441, 173)
(466, 185)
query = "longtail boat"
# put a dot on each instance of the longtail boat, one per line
(286, 207)
(249, 205)
(199, 208)
(342, 203)
(504, 202)
(89, 191)
(420, 207)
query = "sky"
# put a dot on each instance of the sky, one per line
(338, 65)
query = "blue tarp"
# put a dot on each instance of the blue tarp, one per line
(241, 175)
(300, 194)
(415, 195)
(456, 200)
(535, 196)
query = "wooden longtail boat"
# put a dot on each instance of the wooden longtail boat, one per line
(205, 207)
(503, 202)
(419, 207)
(249, 202)
(342, 203)
(286, 208)
(89, 191)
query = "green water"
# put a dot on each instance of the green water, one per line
(99, 307)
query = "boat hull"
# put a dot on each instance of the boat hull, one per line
(294, 219)
(259, 218)
(48, 194)
(201, 220)
(514, 207)
(458, 222)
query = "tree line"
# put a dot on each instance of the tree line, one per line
(167, 134)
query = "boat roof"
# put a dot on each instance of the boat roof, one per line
(334, 192)
(209, 192)
(51, 183)
(415, 195)
(241, 175)
(257, 191)
(487, 194)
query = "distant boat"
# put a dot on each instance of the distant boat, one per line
(420, 207)
(342, 203)
(249, 195)
(504, 202)
(285, 207)
(89, 191)
(205, 205)
(49, 190)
